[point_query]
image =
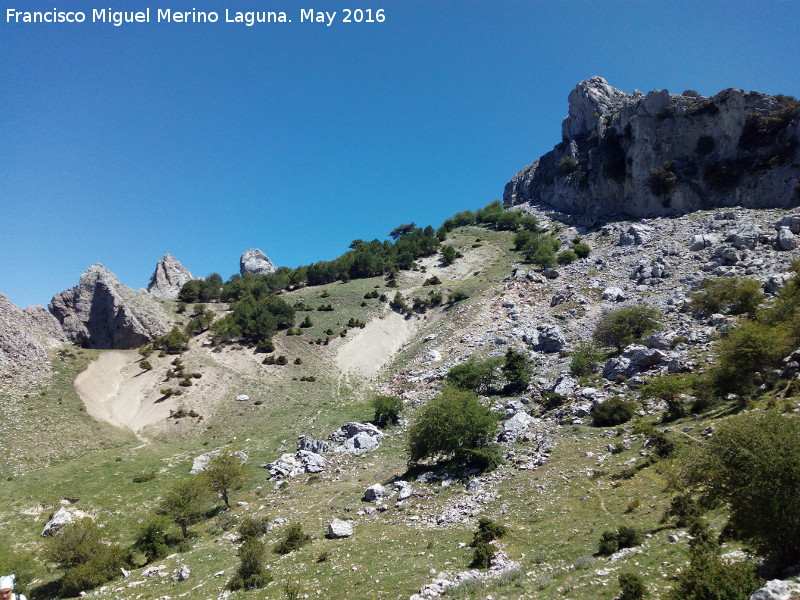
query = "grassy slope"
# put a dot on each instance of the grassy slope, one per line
(556, 513)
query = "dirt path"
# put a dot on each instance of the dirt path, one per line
(113, 387)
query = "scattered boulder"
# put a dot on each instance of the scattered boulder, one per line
(546, 338)
(775, 282)
(785, 239)
(311, 461)
(242, 398)
(699, 242)
(613, 294)
(374, 493)
(746, 237)
(182, 573)
(357, 437)
(514, 427)
(200, 463)
(255, 262)
(168, 278)
(790, 221)
(404, 490)
(340, 529)
(59, 520)
(305, 442)
(100, 312)
(778, 590)
(292, 465)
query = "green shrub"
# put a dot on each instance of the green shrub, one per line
(474, 375)
(175, 342)
(621, 327)
(683, 510)
(567, 165)
(750, 349)
(752, 464)
(585, 358)
(253, 527)
(449, 425)
(449, 255)
(145, 365)
(631, 586)
(709, 577)
(293, 539)
(517, 371)
(74, 544)
(144, 476)
(662, 445)
(21, 564)
(482, 557)
(488, 530)
(186, 503)
(727, 295)
(581, 249)
(485, 458)
(566, 257)
(614, 411)
(251, 573)
(670, 389)
(387, 410)
(103, 566)
(158, 538)
(551, 400)
(624, 537)
(457, 296)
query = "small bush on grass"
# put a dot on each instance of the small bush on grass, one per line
(581, 249)
(253, 527)
(293, 539)
(387, 410)
(449, 425)
(144, 476)
(566, 257)
(624, 537)
(488, 530)
(158, 538)
(670, 389)
(102, 567)
(251, 573)
(614, 411)
(486, 458)
(482, 558)
(631, 586)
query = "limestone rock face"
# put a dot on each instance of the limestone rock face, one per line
(168, 278)
(25, 338)
(100, 312)
(256, 262)
(665, 154)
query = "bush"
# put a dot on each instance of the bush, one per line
(566, 257)
(709, 577)
(581, 249)
(624, 537)
(614, 411)
(253, 527)
(251, 574)
(482, 558)
(157, 538)
(662, 181)
(74, 544)
(294, 539)
(752, 464)
(517, 371)
(488, 530)
(631, 586)
(567, 165)
(449, 425)
(145, 365)
(474, 375)
(683, 509)
(485, 458)
(144, 476)
(387, 410)
(727, 295)
(103, 566)
(457, 296)
(585, 358)
(225, 473)
(621, 327)
(449, 255)
(175, 342)
(670, 389)
(662, 446)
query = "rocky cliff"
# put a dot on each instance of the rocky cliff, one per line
(100, 312)
(25, 338)
(168, 278)
(663, 154)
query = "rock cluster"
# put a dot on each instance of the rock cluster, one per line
(168, 278)
(255, 262)
(663, 154)
(100, 312)
(26, 337)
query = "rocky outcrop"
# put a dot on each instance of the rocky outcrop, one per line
(100, 312)
(255, 262)
(664, 154)
(25, 338)
(168, 278)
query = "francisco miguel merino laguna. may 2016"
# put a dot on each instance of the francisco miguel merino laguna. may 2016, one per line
(168, 15)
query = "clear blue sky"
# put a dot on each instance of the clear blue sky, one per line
(122, 144)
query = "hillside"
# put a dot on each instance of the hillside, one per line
(563, 481)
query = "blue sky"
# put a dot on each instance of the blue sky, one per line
(204, 140)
